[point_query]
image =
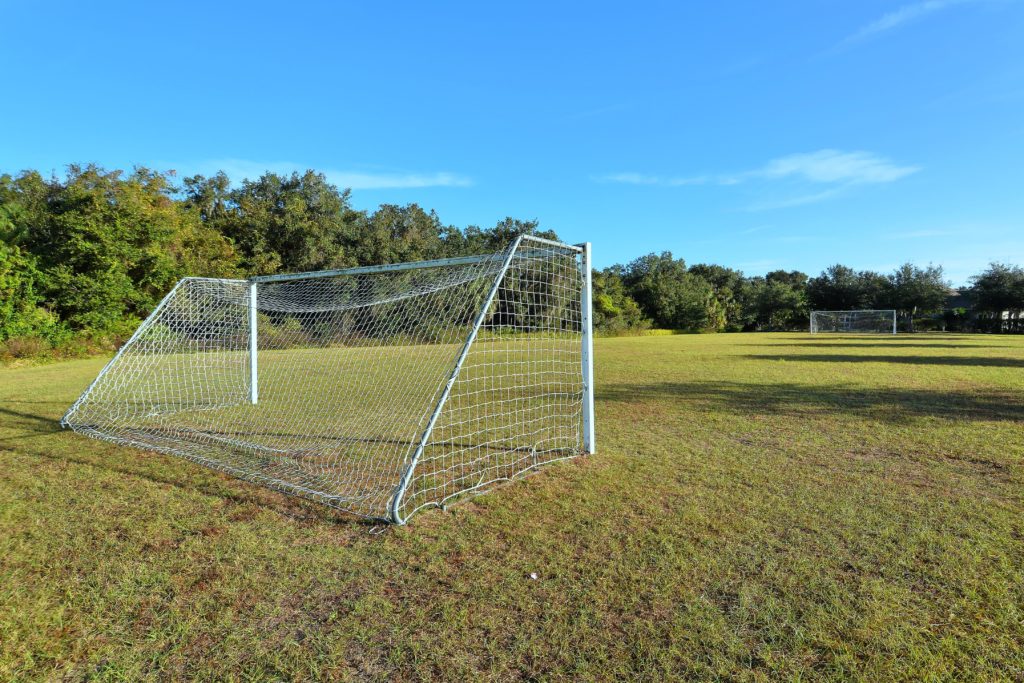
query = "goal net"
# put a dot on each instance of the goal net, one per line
(378, 390)
(881, 321)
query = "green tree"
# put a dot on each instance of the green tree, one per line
(614, 309)
(876, 290)
(279, 223)
(916, 291)
(838, 288)
(998, 291)
(102, 243)
(731, 293)
(21, 312)
(477, 241)
(792, 278)
(672, 296)
(777, 304)
(393, 234)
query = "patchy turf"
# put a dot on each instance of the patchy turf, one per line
(761, 507)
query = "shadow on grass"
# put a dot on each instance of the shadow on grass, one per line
(51, 423)
(884, 345)
(886, 337)
(231, 489)
(802, 400)
(908, 360)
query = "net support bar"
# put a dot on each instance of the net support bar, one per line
(396, 500)
(586, 318)
(254, 387)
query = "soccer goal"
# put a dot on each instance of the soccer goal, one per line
(378, 390)
(881, 321)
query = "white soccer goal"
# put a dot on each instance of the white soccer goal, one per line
(378, 390)
(881, 321)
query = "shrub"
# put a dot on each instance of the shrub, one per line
(23, 347)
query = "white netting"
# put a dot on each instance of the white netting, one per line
(351, 370)
(881, 321)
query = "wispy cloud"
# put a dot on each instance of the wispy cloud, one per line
(898, 17)
(801, 175)
(644, 179)
(240, 169)
(799, 200)
(922, 234)
(758, 266)
(835, 166)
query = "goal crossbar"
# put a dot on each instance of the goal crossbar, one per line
(333, 385)
(411, 265)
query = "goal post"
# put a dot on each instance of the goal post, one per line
(587, 351)
(379, 390)
(881, 321)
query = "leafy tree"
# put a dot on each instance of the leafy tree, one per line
(777, 304)
(102, 243)
(400, 233)
(792, 278)
(672, 296)
(477, 241)
(614, 309)
(916, 290)
(279, 223)
(999, 291)
(201, 250)
(21, 313)
(876, 290)
(731, 292)
(838, 288)
(211, 199)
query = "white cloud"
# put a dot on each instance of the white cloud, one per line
(240, 169)
(628, 179)
(834, 166)
(799, 200)
(922, 234)
(900, 16)
(803, 175)
(828, 166)
(643, 179)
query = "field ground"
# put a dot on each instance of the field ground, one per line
(761, 507)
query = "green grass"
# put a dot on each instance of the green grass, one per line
(762, 507)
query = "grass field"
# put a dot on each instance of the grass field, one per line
(761, 507)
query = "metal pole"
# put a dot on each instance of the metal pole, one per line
(587, 355)
(396, 500)
(894, 322)
(254, 388)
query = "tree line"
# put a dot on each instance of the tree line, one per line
(85, 256)
(658, 290)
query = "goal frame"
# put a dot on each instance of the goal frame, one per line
(814, 329)
(519, 246)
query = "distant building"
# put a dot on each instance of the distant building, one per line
(958, 298)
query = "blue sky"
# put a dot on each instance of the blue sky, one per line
(758, 135)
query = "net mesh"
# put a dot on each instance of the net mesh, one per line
(363, 403)
(881, 321)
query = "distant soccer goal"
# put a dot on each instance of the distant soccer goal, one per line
(378, 390)
(880, 321)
